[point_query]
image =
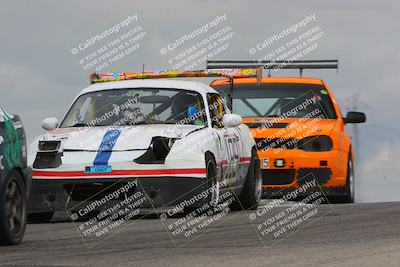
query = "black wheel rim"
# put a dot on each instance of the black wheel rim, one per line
(15, 208)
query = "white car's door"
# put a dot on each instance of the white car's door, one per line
(230, 141)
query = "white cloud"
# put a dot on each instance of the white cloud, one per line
(378, 176)
(23, 93)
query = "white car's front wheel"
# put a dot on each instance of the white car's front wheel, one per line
(212, 180)
(251, 193)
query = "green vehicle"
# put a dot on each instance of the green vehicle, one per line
(15, 179)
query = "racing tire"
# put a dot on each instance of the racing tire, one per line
(42, 217)
(12, 209)
(252, 189)
(212, 180)
(350, 186)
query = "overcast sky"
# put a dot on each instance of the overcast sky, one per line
(40, 77)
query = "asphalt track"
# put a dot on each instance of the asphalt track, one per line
(347, 235)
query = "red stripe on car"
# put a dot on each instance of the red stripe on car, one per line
(77, 174)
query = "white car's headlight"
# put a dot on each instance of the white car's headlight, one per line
(49, 146)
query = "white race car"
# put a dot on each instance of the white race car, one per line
(170, 139)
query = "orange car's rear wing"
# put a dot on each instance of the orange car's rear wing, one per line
(275, 64)
(231, 73)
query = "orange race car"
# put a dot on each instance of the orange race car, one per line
(298, 128)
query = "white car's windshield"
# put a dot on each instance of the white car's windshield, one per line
(136, 106)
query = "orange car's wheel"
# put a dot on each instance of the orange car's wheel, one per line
(350, 186)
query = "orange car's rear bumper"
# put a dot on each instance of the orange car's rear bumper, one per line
(329, 168)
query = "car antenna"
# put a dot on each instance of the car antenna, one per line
(142, 71)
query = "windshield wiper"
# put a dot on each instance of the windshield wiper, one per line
(79, 124)
(272, 115)
(128, 123)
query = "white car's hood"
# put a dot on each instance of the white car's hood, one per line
(125, 138)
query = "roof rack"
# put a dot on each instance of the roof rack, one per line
(231, 73)
(275, 64)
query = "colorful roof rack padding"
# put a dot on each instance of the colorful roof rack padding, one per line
(228, 73)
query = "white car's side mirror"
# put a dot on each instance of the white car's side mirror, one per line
(231, 120)
(50, 124)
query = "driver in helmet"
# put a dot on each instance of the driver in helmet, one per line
(186, 108)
